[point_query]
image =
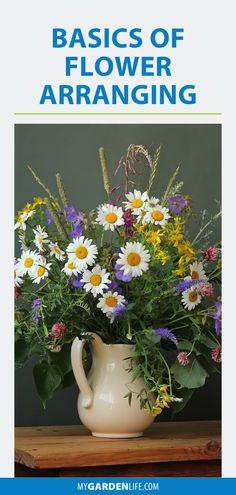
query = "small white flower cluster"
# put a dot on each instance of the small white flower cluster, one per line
(33, 264)
(192, 297)
(81, 260)
(145, 209)
(82, 255)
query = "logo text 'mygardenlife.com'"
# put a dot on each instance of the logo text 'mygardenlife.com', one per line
(130, 486)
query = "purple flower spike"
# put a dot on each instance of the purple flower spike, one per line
(114, 286)
(36, 303)
(119, 274)
(177, 204)
(128, 218)
(217, 317)
(73, 215)
(77, 231)
(77, 282)
(36, 307)
(48, 216)
(119, 310)
(187, 284)
(166, 334)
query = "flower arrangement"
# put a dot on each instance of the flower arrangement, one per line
(131, 271)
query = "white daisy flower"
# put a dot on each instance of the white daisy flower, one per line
(82, 252)
(157, 215)
(196, 272)
(110, 216)
(27, 262)
(96, 280)
(191, 298)
(23, 217)
(109, 301)
(150, 203)
(153, 202)
(17, 279)
(56, 251)
(134, 259)
(70, 268)
(141, 216)
(40, 271)
(41, 237)
(136, 201)
(22, 241)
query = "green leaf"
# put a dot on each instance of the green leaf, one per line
(47, 379)
(136, 373)
(62, 359)
(129, 397)
(155, 339)
(184, 345)
(207, 341)
(68, 380)
(183, 393)
(208, 364)
(191, 376)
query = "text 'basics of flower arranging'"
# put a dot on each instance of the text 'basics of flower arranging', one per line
(131, 271)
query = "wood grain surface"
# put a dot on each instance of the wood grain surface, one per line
(54, 447)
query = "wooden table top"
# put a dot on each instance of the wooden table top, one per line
(73, 446)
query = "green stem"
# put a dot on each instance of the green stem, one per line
(205, 227)
(168, 371)
(60, 227)
(43, 186)
(187, 316)
(61, 190)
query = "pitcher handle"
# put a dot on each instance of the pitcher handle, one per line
(78, 369)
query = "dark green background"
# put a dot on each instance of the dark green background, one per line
(72, 150)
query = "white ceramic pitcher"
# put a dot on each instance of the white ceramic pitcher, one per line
(101, 404)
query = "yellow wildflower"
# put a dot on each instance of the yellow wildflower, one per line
(154, 411)
(38, 201)
(154, 236)
(180, 271)
(163, 388)
(183, 265)
(28, 207)
(162, 256)
(140, 228)
(175, 232)
(176, 237)
(187, 251)
(179, 222)
(163, 400)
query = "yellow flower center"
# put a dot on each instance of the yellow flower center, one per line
(111, 301)
(71, 266)
(157, 215)
(81, 252)
(40, 239)
(195, 275)
(58, 251)
(28, 262)
(192, 296)
(111, 217)
(95, 279)
(133, 259)
(137, 203)
(41, 270)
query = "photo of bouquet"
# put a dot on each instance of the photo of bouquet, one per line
(131, 271)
